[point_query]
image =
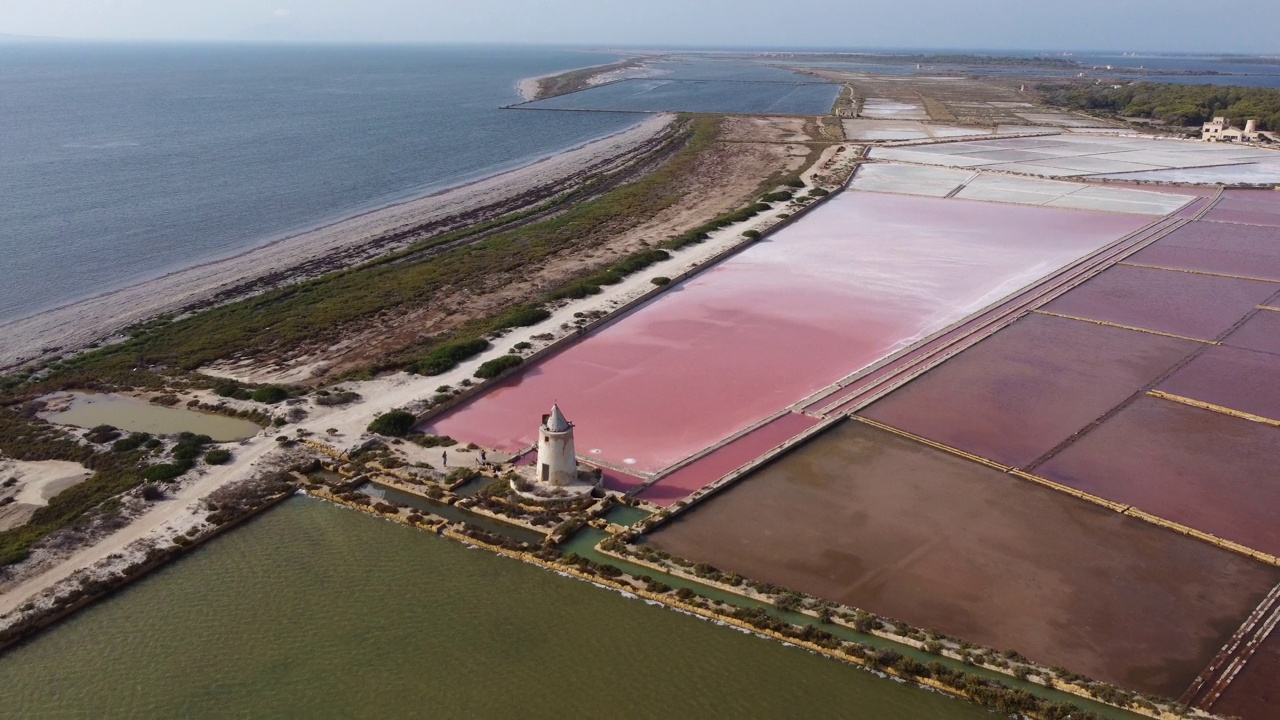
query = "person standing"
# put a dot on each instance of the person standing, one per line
(444, 458)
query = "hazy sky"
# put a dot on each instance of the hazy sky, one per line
(1193, 25)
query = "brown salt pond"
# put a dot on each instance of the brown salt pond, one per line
(1216, 247)
(1199, 468)
(1016, 395)
(868, 518)
(90, 410)
(1197, 306)
(1260, 332)
(1252, 207)
(863, 276)
(1254, 694)
(1238, 379)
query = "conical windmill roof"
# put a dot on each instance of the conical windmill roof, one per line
(556, 421)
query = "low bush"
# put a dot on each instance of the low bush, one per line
(218, 456)
(497, 366)
(269, 395)
(753, 234)
(165, 472)
(522, 317)
(661, 280)
(819, 192)
(777, 196)
(446, 357)
(794, 182)
(396, 423)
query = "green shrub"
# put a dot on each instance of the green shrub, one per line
(522, 317)
(269, 395)
(446, 357)
(777, 196)
(165, 472)
(227, 390)
(819, 192)
(497, 366)
(217, 456)
(396, 423)
(523, 345)
(753, 234)
(661, 280)
(794, 182)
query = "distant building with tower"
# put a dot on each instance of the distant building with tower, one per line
(1220, 129)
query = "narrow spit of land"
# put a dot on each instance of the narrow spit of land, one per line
(332, 247)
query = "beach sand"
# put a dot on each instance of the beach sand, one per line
(82, 323)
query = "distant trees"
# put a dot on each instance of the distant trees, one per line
(1181, 105)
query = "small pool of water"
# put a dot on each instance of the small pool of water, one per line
(90, 410)
(625, 515)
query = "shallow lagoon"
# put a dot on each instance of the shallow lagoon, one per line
(314, 610)
(134, 415)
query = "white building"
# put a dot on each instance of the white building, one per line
(557, 461)
(1221, 130)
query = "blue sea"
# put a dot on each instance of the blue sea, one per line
(123, 162)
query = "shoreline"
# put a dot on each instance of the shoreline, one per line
(78, 324)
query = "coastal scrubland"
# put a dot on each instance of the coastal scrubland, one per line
(394, 312)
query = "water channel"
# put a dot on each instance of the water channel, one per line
(315, 610)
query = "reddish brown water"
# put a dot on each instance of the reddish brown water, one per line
(1243, 380)
(1255, 692)
(869, 518)
(722, 461)
(1243, 250)
(1203, 469)
(1018, 394)
(863, 276)
(1187, 304)
(1260, 332)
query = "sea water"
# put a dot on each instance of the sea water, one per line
(121, 162)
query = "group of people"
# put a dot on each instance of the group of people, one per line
(444, 458)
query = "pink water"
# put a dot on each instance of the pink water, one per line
(706, 470)
(1218, 247)
(864, 275)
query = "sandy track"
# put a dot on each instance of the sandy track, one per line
(79, 324)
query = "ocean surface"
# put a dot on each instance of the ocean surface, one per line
(317, 611)
(123, 162)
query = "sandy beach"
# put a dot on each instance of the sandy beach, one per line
(77, 325)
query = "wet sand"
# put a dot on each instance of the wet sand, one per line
(1203, 307)
(1205, 470)
(1018, 394)
(1216, 247)
(1242, 380)
(865, 275)
(874, 520)
(1255, 692)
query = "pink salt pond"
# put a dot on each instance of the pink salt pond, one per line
(861, 277)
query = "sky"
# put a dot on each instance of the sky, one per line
(1152, 25)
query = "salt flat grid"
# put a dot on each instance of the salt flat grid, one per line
(781, 320)
(868, 518)
(909, 179)
(884, 109)
(1226, 248)
(1067, 155)
(970, 185)
(1233, 378)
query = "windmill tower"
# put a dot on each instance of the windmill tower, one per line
(557, 461)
